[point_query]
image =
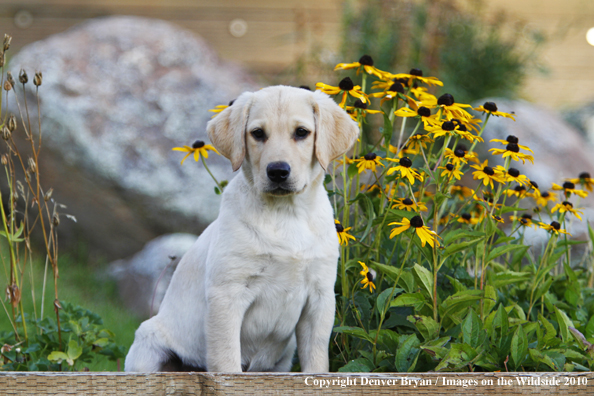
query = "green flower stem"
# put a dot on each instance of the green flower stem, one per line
(211, 175)
(480, 132)
(551, 244)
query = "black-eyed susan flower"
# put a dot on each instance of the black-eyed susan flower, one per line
(461, 192)
(511, 175)
(198, 148)
(360, 108)
(409, 204)
(346, 87)
(423, 113)
(498, 219)
(467, 218)
(518, 191)
(568, 188)
(553, 228)
(451, 109)
(567, 206)
(415, 142)
(485, 173)
(347, 160)
(423, 232)
(451, 171)
(405, 170)
(460, 155)
(491, 108)
(512, 149)
(369, 161)
(543, 198)
(452, 128)
(367, 280)
(405, 150)
(585, 180)
(343, 233)
(390, 91)
(415, 75)
(525, 220)
(424, 98)
(365, 63)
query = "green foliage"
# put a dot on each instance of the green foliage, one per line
(87, 339)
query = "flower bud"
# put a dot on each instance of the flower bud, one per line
(48, 195)
(10, 79)
(23, 78)
(7, 40)
(56, 220)
(6, 133)
(37, 79)
(32, 165)
(7, 85)
(12, 123)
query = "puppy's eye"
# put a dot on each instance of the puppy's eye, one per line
(258, 134)
(301, 133)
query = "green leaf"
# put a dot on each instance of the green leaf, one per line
(490, 299)
(509, 277)
(352, 170)
(461, 233)
(539, 357)
(428, 327)
(564, 324)
(425, 277)
(388, 270)
(471, 327)
(74, 350)
(498, 251)
(405, 356)
(381, 299)
(519, 347)
(57, 356)
(355, 332)
(367, 207)
(460, 355)
(590, 327)
(360, 365)
(409, 299)
(460, 300)
(457, 247)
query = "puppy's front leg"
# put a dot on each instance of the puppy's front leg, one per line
(226, 308)
(313, 332)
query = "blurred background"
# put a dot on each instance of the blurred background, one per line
(127, 80)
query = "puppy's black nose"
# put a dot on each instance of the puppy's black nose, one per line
(278, 172)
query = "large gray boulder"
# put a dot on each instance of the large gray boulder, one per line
(118, 94)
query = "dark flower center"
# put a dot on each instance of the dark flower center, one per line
(423, 111)
(545, 194)
(527, 216)
(339, 227)
(359, 104)
(403, 81)
(567, 203)
(569, 185)
(448, 126)
(370, 156)
(512, 139)
(198, 144)
(459, 153)
(462, 147)
(366, 60)
(346, 84)
(488, 170)
(534, 184)
(520, 188)
(462, 128)
(396, 87)
(556, 225)
(498, 218)
(416, 72)
(445, 99)
(524, 221)
(416, 222)
(466, 216)
(513, 148)
(490, 106)
(584, 175)
(513, 172)
(406, 162)
(450, 167)
(407, 201)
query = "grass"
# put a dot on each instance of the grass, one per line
(81, 285)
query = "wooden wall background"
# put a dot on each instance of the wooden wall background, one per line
(279, 31)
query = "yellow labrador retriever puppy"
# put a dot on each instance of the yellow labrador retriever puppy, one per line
(259, 281)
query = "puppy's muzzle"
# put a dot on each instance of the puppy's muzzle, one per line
(278, 172)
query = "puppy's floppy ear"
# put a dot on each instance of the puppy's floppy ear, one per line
(227, 130)
(335, 132)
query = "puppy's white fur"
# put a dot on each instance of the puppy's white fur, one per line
(260, 279)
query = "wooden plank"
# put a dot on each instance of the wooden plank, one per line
(210, 384)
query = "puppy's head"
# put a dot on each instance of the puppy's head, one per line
(284, 137)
